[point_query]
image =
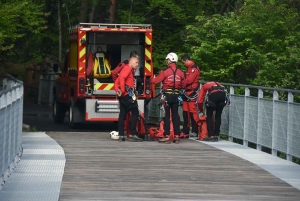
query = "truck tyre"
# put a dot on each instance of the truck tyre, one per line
(72, 124)
(59, 111)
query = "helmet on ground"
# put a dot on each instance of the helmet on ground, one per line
(172, 56)
(114, 135)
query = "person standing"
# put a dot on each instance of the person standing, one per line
(173, 80)
(216, 100)
(124, 86)
(190, 96)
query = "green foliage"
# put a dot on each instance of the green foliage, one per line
(258, 45)
(18, 19)
(168, 19)
(251, 42)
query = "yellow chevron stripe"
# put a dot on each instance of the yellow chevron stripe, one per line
(80, 68)
(97, 86)
(147, 53)
(148, 66)
(82, 53)
(148, 41)
(108, 87)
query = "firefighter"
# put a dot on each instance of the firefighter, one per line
(216, 99)
(173, 80)
(124, 86)
(115, 73)
(190, 96)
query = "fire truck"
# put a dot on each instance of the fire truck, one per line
(85, 89)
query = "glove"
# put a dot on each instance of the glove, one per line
(119, 92)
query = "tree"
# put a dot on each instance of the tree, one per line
(257, 45)
(84, 7)
(19, 19)
(112, 11)
(59, 8)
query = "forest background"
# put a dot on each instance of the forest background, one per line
(234, 41)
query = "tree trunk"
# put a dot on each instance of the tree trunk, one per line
(129, 18)
(112, 11)
(83, 11)
(92, 14)
(224, 7)
(59, 8)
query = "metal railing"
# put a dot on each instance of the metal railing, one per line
(265, 121)
(11, 117)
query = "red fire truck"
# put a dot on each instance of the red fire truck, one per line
(85, 88)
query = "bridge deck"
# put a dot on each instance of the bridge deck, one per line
(98, 168)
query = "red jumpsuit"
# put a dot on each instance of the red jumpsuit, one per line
(166, 76)
(189, 106)
(217, 99)
(127, 104)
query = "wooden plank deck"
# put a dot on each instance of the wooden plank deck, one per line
(98, 168)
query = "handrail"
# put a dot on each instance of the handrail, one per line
(266, 122)
(3, 91)
(11, 116)
(258, 87)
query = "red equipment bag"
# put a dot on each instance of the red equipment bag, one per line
(90, 63)
(202, 128)
(158, 132)
(140, 125)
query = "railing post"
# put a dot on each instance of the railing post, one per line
(246, 117)
(275, 97)
(10, 130)
(40, 89)
(230, 138)
(51, 86)
(3, 104)
(259, 119)
(289, 157)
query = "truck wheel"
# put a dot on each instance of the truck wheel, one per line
(59, 111)
(72, 124)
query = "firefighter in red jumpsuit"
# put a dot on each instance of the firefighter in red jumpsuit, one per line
(173, 80)
(216, 100)
(124, 86)
(115, 73)
(190, 96)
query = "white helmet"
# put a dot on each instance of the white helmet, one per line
(172, 56)
(114, 135)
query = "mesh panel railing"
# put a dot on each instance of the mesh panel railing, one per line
(11, 117)
(265, 121)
